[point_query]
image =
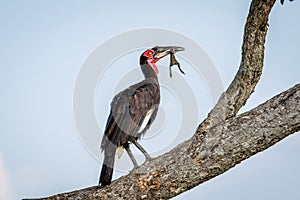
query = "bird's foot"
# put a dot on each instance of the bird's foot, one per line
(134, 168)
(148, 158)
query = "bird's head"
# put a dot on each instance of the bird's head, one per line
(149, 58)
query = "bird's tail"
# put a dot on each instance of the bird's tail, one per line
(107, 169)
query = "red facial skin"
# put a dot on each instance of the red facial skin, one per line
(149, 54)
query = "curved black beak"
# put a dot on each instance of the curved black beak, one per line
(162, 51)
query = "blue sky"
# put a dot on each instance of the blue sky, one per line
(43, 47)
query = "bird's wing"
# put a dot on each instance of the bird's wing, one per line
(143, 105)
(114, 134)
(128, 110)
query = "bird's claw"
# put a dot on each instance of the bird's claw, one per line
(134, 168)
(148, 158)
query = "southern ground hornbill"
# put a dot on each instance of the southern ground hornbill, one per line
(132, 112)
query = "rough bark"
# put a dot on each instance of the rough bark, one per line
(249, 72)
(223, 139)
(226, 145)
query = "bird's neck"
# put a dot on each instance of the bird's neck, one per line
(149, 70)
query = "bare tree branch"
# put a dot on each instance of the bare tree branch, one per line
(223, 139)
(249, 72)
(226, 145)
(251, 66)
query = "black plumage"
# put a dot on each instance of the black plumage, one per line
(132, 112)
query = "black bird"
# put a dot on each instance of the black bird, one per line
(132, 112)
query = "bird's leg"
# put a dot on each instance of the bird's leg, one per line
(135, 164)
(146, 154)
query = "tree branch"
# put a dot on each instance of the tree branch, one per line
(226, 145)
(249, 72)
(251, 66)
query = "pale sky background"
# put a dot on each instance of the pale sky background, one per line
(43, 45)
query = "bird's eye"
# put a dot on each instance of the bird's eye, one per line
(150, 52)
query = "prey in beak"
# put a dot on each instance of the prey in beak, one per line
(162, 51)
(173, 62)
